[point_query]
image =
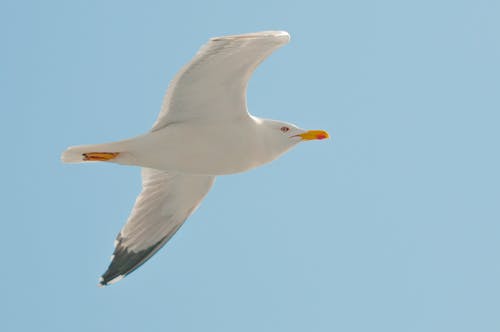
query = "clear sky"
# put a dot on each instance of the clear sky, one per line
(392, 225)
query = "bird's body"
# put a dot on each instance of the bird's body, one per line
(203, 130)
(207, 149)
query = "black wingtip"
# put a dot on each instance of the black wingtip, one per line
(125, 261)
(101, 283)
(106, 281)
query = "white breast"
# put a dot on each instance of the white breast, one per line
(208, 149)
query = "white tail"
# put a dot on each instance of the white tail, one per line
(75, 154)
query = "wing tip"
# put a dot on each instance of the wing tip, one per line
(103, 282)
(280, 34)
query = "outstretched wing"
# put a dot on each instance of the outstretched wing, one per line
(212, 87)
(160, 210)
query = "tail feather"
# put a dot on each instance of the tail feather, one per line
(75, 154)
(72, 155)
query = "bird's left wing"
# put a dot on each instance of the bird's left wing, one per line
(212, 87)
(165, 202)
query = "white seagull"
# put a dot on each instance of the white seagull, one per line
(203, 130)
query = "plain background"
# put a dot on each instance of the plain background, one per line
(392, 225)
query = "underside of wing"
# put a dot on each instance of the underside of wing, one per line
(212, 87)
(165, 202)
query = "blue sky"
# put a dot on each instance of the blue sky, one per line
(392, 225)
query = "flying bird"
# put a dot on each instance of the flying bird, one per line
(203, 130)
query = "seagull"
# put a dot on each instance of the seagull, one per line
(203, 130)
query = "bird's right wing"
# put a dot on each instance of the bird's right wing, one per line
(212, 87)
(160, 210)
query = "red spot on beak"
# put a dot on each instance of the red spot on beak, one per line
(321, 136)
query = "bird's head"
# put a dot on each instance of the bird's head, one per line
(283, 135)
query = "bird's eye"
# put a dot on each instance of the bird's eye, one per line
(284, 129)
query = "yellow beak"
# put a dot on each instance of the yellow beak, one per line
(314, 134)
